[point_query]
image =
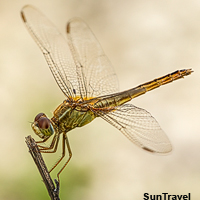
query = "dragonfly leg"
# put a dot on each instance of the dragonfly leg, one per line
(42, 141)
(42, 147)
(53, 145)
(70, 154)
(63, 152)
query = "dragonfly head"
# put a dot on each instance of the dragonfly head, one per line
(42, 126)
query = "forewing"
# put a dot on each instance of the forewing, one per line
(55, 49)
(140, 127)
(95, 73)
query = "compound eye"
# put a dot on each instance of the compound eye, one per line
(39, 116)
(43, 123)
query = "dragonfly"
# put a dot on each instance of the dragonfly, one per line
(89, 83)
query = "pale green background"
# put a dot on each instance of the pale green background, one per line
(144, 40)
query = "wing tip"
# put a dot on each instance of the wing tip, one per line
(72, 22)
(23, 11)
(164, 151)
(23, 16)
(68, 28)
(149, 150)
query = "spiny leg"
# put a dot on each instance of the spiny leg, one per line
(52, 142)
(42, 141)
(54, 145)
(63, 152)
(51, 145)
(70, 155)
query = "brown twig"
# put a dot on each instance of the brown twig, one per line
(37, 157)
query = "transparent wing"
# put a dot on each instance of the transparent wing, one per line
(70, 74)
(140, 127)
(95, 72)
(54, 47)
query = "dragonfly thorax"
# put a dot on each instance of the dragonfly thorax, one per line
(69, 115)
(42, 126)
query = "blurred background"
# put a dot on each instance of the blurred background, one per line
(143, 40)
